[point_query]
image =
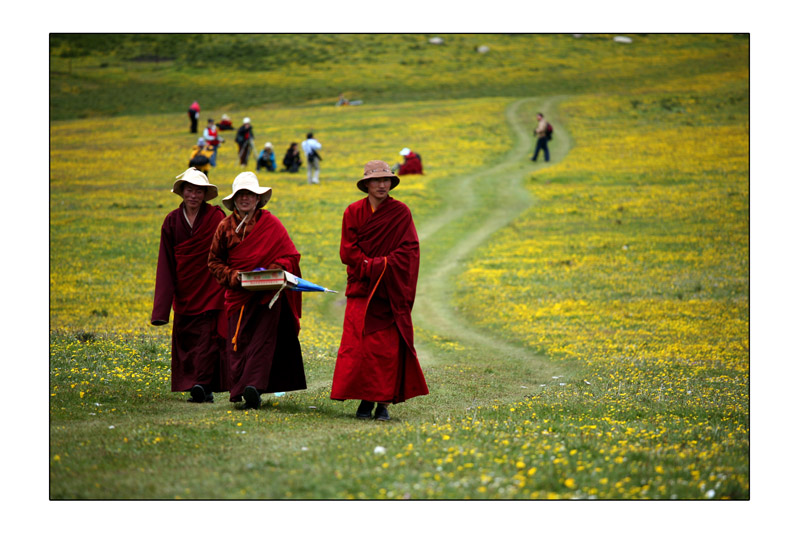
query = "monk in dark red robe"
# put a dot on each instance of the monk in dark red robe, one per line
(184, 284)
(263, 349)
(412, 163)
(377, 362)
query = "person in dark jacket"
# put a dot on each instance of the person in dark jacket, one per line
(244, 138)
(292, 161)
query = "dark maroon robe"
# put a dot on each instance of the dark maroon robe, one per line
(377, 360)
(262, 349)
(184, 284)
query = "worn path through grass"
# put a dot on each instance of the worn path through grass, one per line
(478, 205)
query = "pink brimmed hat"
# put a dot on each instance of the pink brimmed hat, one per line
(377, 169)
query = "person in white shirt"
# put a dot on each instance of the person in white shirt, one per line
(310, 147)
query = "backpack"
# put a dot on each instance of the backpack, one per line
(549, 132)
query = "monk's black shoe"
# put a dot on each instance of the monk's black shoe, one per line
(365, 409)
(198, 394)
(252, 399)
(381, 413)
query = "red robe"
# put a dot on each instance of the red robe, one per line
(411, 165)
(184, 284)
(377, 360)
(263, 349)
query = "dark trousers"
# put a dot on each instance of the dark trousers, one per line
(193, 122)
(541, 144)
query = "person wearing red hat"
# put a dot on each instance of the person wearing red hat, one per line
(377, 362)
(184, 284)
(194, 116)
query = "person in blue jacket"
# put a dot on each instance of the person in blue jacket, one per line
(266, 158)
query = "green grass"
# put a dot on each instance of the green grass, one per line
(98, 75)
(511, 414)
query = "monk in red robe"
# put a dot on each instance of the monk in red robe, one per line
(412, 163)
(184, 284)
(377, 362)
(263, 349)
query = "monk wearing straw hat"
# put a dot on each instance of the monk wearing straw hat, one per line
(184, 284)
(377, 362)
(263, 349)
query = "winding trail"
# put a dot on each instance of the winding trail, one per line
(479, 204)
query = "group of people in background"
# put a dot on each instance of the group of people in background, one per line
(204, 154)
(227, 338)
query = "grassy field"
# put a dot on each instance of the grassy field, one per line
(596, 346)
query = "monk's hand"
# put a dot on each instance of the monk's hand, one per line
(365, 268)
(274, 266)
(158, 322)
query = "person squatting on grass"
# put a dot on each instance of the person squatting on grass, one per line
(377, 361)
(412, 163)
(184, 283)
(263, 350)
(200, 157)
(266, 158)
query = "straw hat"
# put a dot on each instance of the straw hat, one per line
(248, 181)
(405, 151)
(195, 177)
(377, 169)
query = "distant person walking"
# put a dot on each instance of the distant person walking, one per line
(543, 133)
(377, 362)
(213, 139)
(310, 148)
(185, 285)
(194, 116)
(291, 160)
(244, 139)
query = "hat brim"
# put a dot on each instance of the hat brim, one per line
(362, 183)
(211, 190)
(264, 194)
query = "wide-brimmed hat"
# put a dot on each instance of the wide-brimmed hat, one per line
(248, 181)
(405, 151)
(246, 120)
(377, 169)
(268, 145)
(195, 177)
